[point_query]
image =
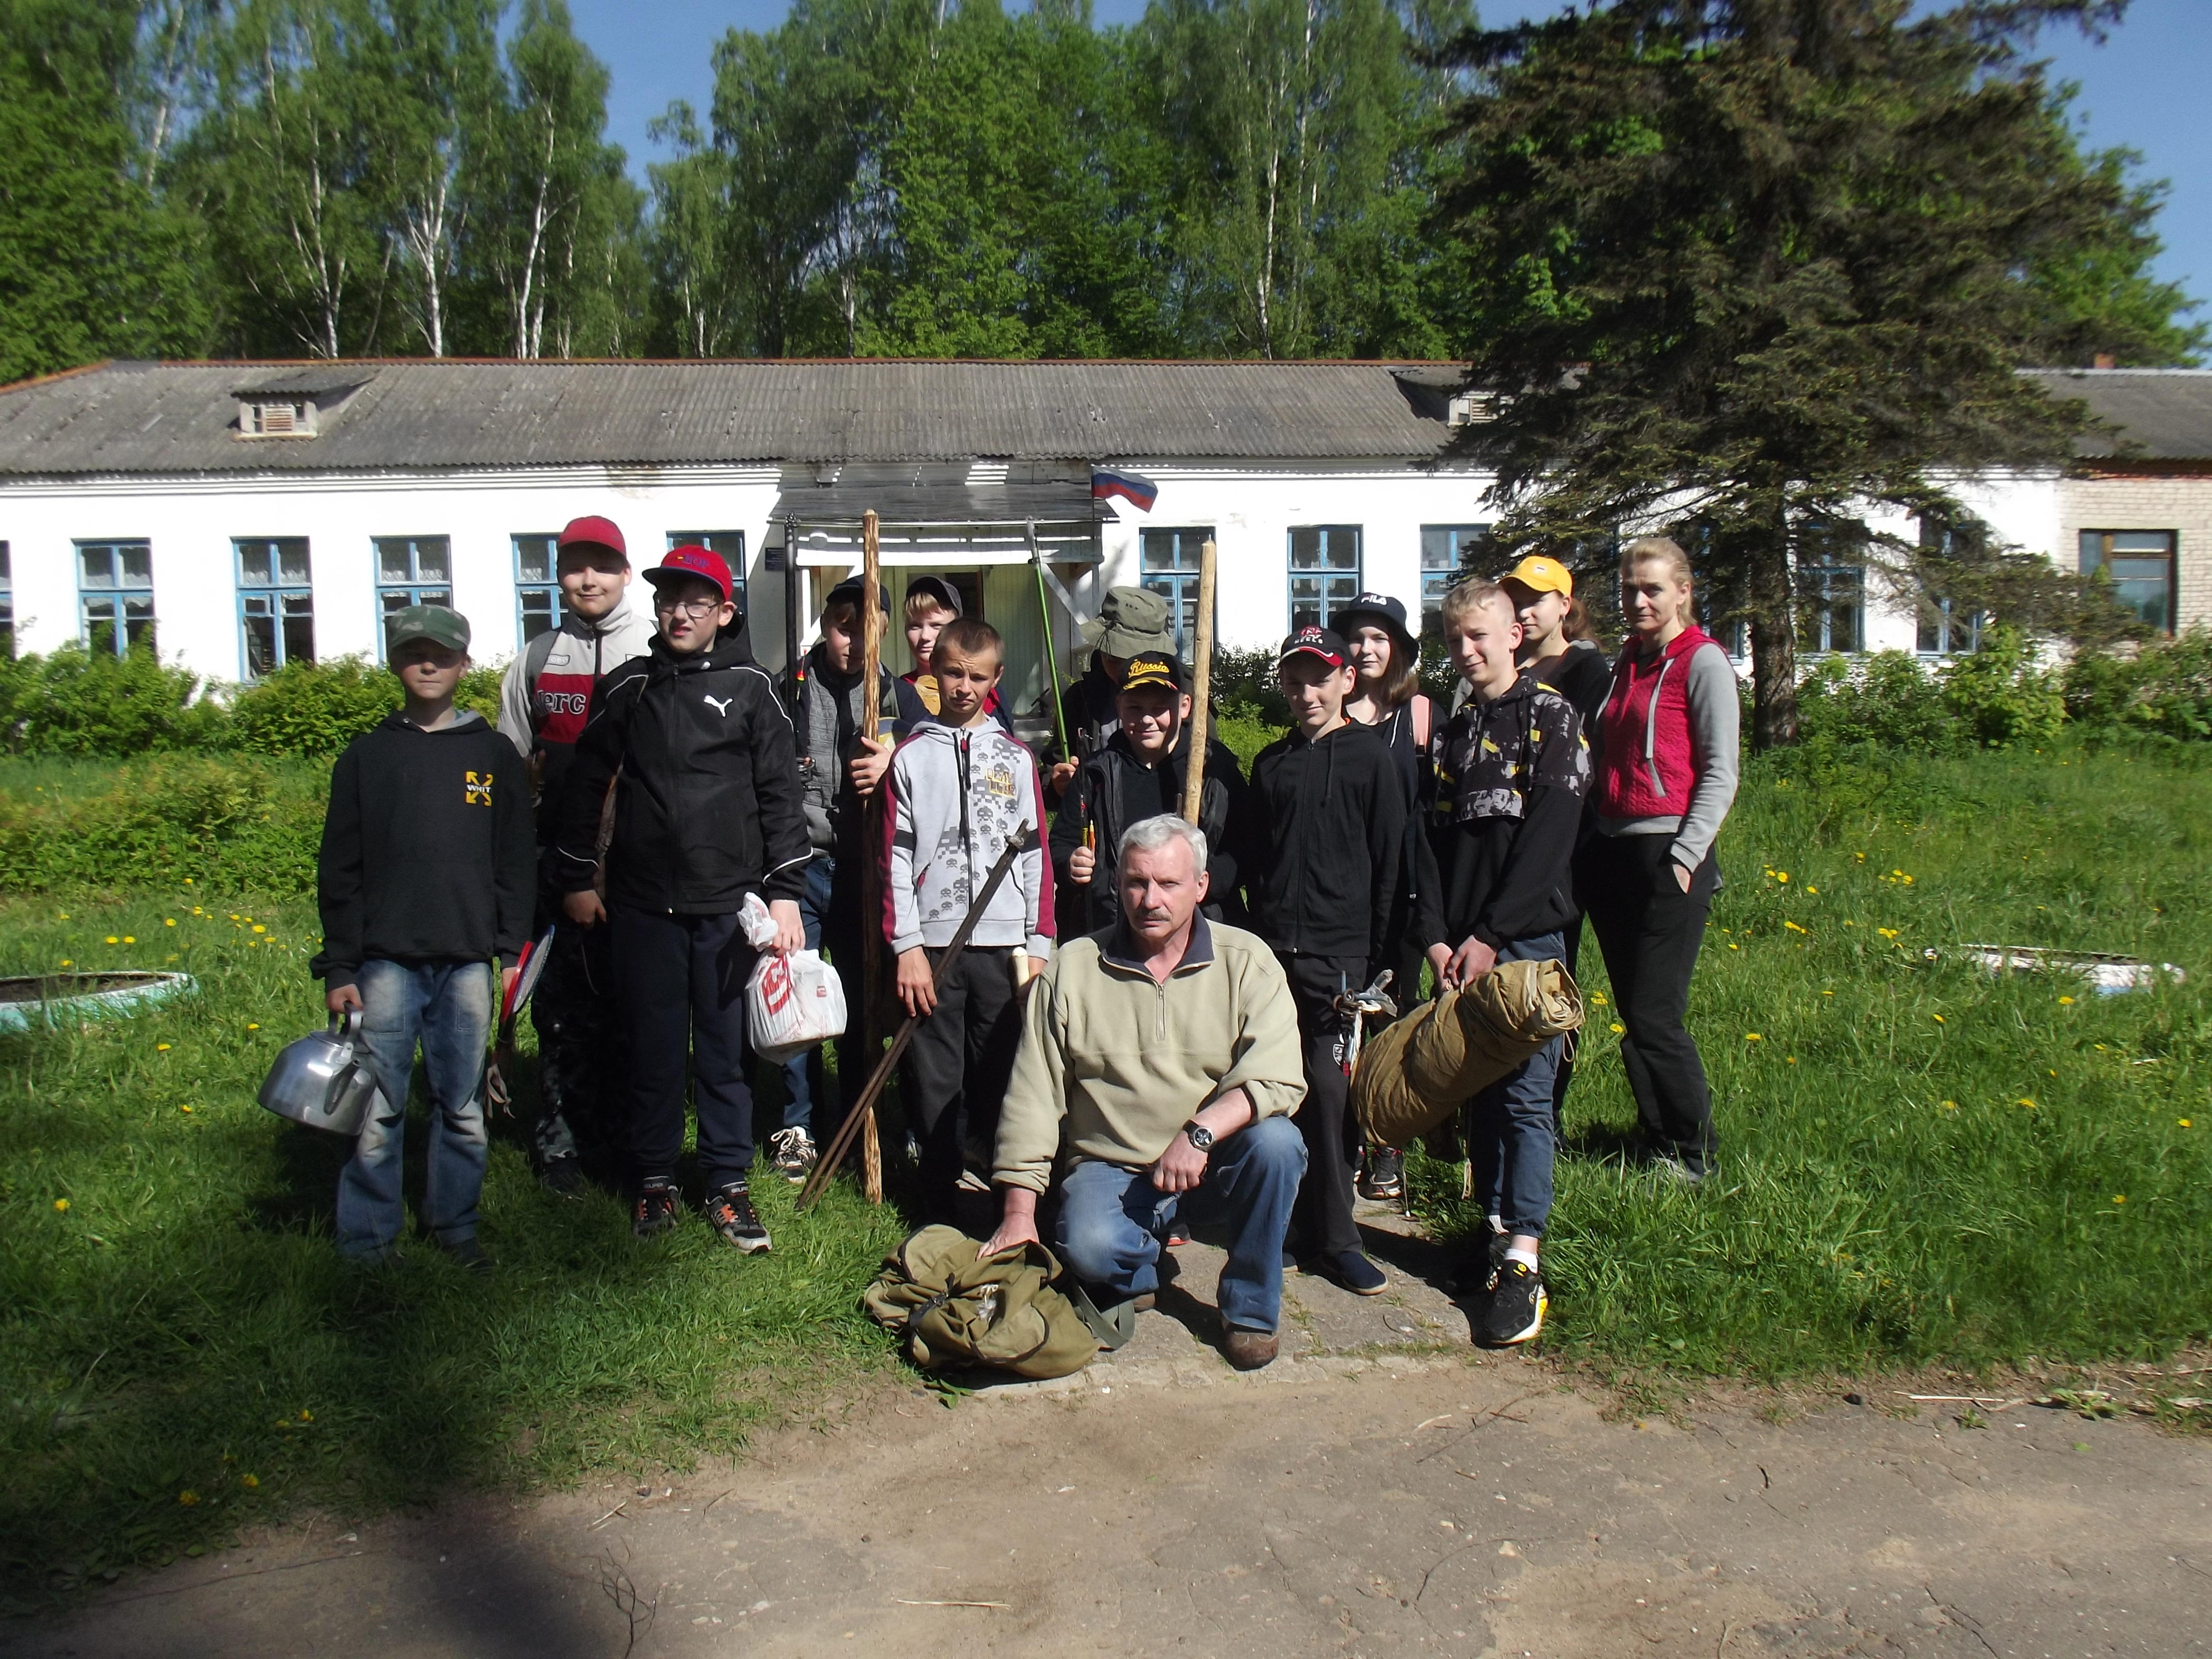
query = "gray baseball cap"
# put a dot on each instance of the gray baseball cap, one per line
(1131, 622)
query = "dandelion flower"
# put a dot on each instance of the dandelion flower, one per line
(306, 1416)
(1782, 875)
(1794, 927)
(1861, 857)
(2183, 1121)
(254, 1028)
(1950, 1105)
(184, 1108)
(1938, 1018)
(112, 939)
(66, 962)
(1735, 947)
(169, 921)
(1827, 993)
(259, 928)
(2023, 1101)
(248, 1481)
(161, 1048)
(1792, 1060)
(129, 939)
(61, 1203)
(1811, 890)
(1753, 1036)
(1907, 880)
(2119, 1198)
(188, 1499)
(1597, 999)
(1887, 933)
(1617, 1026)
(2066, 1002)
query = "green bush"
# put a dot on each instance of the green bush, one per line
(1886, 699)
(2163, 689)
(74, 702)
(227, 823)
(2001, 694)
(312, 709)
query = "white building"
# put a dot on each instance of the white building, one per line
(240, 514)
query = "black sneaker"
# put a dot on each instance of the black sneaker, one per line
(1382, 1179)
(792, 1152)
(729, 1212)
(1353, 1271)
(469, 1255)
(1517, 1306)
(656, 1209)
(562, 1177)
(1477, 1272)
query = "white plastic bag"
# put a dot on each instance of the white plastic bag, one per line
(791, 1002)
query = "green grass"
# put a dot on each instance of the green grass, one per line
(183, 1327)
(1922, 1162)
(1884, 1198)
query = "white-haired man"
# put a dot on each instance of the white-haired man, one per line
(1159, 1069)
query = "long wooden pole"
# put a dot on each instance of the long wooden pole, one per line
(871, 873)
(862, 1111)
(1201, 688)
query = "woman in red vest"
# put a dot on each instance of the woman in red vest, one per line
(1666, 777)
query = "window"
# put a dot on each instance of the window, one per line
(7, 604)
(1832, 601)
(1324, 572)
(1948, 630)
(276, 603)
(730, 543)
(1448, 552)
(1171, 561)
(115, 586)
(537, 586)
(2139, 565)
(413, 570)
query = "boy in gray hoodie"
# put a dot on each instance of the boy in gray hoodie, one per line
(958, 789)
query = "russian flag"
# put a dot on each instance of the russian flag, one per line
(1134, 488)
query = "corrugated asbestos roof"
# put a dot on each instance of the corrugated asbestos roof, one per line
(182, 419)
(2162, 413)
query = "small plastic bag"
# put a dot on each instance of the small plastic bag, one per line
(791, 1002)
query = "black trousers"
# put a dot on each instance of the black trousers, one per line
(683, 986)
(1321, 1220)
(581, 1051)
(958, 1066)
(1651, 930)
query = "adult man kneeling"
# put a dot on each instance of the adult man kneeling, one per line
(1159, 1067)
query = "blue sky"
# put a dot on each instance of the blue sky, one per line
(2143, 89)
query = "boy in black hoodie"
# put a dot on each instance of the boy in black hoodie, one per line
(1512, 773)
(1326, 837)
(707, 811)
(424, 881)
(1138, 774)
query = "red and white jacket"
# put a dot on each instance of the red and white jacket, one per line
(546, 691)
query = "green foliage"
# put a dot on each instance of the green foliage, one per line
(1920, 1160)
(1887, 699)
(312, 709)
(76, 702)
(224, 823)
(2002, 693)
(2164, 689)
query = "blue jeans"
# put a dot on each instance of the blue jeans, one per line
(447, 1006)
(1512, 1126)
(802, 1073)
(1111, 1220)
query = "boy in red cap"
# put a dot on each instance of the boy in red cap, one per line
(543, 700)
(708, 810)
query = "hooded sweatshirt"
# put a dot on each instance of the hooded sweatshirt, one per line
(829, 736)
(427, 854)
(708, 809)
(956, 795)
(1668, 758)
(1325, 838)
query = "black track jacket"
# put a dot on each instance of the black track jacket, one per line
(1325, 837)
(709, 807)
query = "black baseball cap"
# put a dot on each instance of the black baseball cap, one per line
(935, 587)
(1311, 641)
(1152, 668)
(1383, 607)
(851, 592)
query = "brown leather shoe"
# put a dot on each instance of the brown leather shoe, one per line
(1248, 1350)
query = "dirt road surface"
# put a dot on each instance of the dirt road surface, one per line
(1391, 1495)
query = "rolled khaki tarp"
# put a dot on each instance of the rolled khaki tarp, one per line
(1413, 1075)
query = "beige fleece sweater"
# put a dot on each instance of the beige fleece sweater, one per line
(1113, 1064)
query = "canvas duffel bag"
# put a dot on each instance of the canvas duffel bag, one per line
(1414, 1074)
(953, 1311)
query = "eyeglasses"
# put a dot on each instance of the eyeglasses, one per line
(694, 609)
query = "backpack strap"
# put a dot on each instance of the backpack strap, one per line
(537, 654)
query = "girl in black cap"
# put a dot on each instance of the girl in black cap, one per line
(1386, 694)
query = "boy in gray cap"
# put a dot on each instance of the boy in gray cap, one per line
(424, 884)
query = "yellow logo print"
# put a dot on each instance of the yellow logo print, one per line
(475, 789)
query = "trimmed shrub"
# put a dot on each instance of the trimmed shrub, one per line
(74, 702)
(2163, 689)
(312, 709)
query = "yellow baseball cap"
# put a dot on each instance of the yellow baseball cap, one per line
(1542, 575)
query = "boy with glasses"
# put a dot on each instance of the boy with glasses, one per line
(706, 811)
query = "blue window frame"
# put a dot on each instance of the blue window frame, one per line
(275, 603)
(412, 570)
(2139, 565)
(730, 543)
(1449, 553)
(1170, 570)
(537, 586)
(1324, 572)
(115, 596)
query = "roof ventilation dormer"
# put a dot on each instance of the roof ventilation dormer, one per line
(294, 404)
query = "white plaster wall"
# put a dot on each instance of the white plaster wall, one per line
(191, 523)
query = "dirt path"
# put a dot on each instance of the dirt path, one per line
(1420, 1501)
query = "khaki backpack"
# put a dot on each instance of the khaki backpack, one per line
(1414, 1074)
(953, 1311)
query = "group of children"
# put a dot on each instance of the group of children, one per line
(673, 777)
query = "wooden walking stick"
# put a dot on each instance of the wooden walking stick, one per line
(863, 1109)
(871, 872)
(1201, 688)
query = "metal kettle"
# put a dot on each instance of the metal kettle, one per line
(323, 1080)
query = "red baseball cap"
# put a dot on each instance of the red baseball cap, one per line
(692, 560)
(592, 531)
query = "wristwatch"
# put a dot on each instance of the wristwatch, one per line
(1198, 1135)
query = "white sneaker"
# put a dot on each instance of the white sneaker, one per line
(792, 1152)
